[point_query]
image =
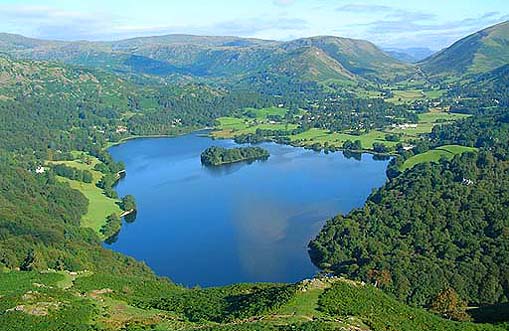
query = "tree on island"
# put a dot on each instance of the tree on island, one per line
(215, 156)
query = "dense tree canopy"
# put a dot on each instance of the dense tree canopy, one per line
(215, 156)
(434, 226)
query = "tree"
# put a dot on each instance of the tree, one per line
(128, 203)
(30, 261)
(380, 148)
(380, 278)
(448, 304)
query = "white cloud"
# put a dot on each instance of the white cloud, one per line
(284, 2)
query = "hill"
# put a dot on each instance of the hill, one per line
(480, 52)
(227, 58)
(95, 301)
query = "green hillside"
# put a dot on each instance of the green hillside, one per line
(359, 57)
(91, 301)
(480, 52)
(230, 58)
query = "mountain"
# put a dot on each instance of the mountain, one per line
(231, 58)
(409, 55)
(480, 52)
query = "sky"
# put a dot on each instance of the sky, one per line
(433, 24)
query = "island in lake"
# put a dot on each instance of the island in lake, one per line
(216, 156)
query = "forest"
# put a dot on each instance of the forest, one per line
(216, 156)
(435, 226)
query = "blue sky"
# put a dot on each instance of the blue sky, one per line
(397, 23)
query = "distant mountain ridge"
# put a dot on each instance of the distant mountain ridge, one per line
(410, 55)
(480, 52)
(232, 59)
(316, 58)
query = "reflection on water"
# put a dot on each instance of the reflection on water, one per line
(245, 222)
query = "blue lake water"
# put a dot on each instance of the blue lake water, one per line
(246, 222)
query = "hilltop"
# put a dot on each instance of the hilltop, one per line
(229, 58)
(480, 52)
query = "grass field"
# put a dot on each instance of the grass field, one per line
(99, 205)
(336, 139)
(263, 113)
(403, 96)
(427, 121)
(448, 152)
(230, 127)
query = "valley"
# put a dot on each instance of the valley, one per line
(382, 205)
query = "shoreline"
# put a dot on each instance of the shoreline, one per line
(128, 212)
(196, 130)
(134, 137)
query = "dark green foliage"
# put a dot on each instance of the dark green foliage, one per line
(392, 137)
(73, 173)
(132, 289)
(112, 226)
(380, 148)
(197, 305)
(226, 303)
(352, 145)
(107, 182)
(380, 311)
(215, 156)
(128, 203)
(498, 313)
(434, 227)
(489, 132)
(40, 227)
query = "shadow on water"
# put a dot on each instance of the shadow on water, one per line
(352, 155)
(498, 313)
(381, 157)
(130, 218)
(228, 169)
(113, 239)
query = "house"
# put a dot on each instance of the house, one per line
(467, 182)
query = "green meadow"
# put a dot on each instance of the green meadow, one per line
(230, 127)
(435, 155)
(99, 205)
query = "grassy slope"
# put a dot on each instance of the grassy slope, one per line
(480, 52)
(85, 301)
(99, 205)
(434, 155)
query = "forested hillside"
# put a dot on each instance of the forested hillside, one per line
(435, 226)
(431, 242)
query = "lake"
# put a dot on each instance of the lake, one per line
(245, 222)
